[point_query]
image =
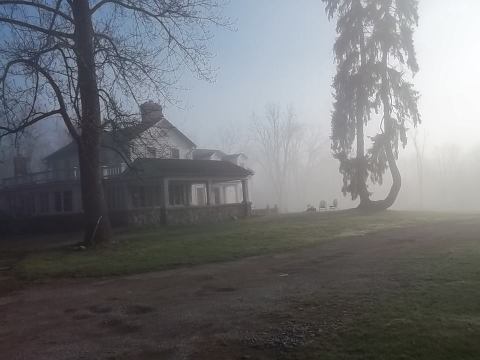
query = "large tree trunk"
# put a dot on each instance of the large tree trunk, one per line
(97, 224)
(396, 178)
(361, 170)
(387, 146)
(389, 200)
(384, 204)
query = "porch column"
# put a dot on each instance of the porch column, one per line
(245, 190)
(189, 193)
(127, 197)
(209, 192)
(236, 193)
(166, 198)
(224, 194)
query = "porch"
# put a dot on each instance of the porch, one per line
(178, 201)
(151, 192)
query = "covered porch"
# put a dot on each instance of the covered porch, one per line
(181, 192)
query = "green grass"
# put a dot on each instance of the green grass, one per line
(433, 313)
(137, 251)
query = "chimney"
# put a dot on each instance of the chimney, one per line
(20, 166)
(151, 112)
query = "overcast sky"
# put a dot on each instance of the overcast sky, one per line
(282, 52)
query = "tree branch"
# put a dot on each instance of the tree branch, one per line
(40, 29)
(53, 84)
(38, 6)
(24, 125)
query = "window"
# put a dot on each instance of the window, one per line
(63, 201)
(138, 196)
(44, 202)
(58, 201)
(177, 194)
(30, 204)
(114, 195)
(151, 152)
(67, 201)
(157, 190)
(175, 153)
(201, 196)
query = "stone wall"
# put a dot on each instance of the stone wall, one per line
(206, 214)
(138, 217)
(141, 217)
(182, 215)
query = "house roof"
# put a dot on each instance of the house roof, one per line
(186, 168)
(62, 151)
(116, 138)
(233, 156)
(205, 154)
(108, 140)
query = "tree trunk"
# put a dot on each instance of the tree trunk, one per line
(379, 205)
(396, 177)
(387, 146)
(361, 171)
(97, 224)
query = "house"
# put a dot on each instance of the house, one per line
(152, 174)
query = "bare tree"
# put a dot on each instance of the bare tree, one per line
(88, 61)
(232, 138)
(278, 137)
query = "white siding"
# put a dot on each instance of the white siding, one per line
(162, 139)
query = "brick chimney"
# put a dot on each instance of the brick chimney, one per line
(151, 112)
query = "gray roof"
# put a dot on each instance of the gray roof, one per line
(118, 138)
(205, 154)
(151, 168)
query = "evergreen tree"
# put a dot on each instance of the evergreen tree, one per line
(375, 59)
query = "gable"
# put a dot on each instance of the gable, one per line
(162, 141)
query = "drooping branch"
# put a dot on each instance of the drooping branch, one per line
(58, 93)
(31, 121)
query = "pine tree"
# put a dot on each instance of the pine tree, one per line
(375, 60)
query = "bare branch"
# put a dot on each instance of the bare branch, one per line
(37, 5)
(8, 131)
(29, 26)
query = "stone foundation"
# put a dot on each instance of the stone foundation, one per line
(137, 217)
(206, 214)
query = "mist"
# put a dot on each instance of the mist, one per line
(293, 66)
(249, 179)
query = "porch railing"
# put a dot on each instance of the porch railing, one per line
(72, 174)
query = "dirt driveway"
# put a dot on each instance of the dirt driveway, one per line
(254, 308)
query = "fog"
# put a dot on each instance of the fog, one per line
(290, 63)
(275, 54)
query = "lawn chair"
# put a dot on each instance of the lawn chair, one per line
(322, 206)
(334, 205)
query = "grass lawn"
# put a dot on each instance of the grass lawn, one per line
(433, 314)
(146, 250)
